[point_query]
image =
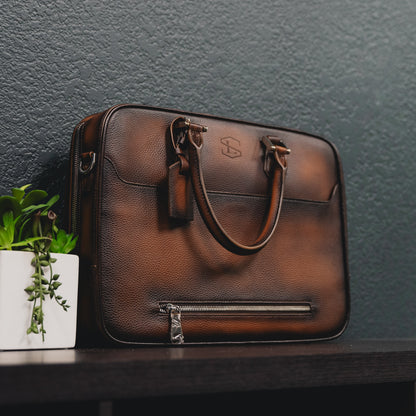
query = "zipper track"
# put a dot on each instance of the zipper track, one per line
(175, 311)
(75, 181)
(274, 308)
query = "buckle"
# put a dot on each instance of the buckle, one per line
(274, 148)
(87, 162)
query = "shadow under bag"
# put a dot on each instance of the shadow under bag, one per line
(200, 229)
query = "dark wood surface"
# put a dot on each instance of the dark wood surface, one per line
(124, 374)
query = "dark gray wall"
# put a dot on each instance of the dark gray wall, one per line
(342, 69)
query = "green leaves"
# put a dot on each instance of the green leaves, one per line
(63, 242)
(29, 205)
(10, 211)
(7, 230)
(10, 203)
(26, 219)
(37, 322)
(33, 197)
(15, 214)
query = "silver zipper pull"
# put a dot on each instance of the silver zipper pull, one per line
(176, 334)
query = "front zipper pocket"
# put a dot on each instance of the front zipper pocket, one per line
(175, 310)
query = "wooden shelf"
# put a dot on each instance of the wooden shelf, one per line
(151, 373)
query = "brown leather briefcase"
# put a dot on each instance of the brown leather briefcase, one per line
(200, 229)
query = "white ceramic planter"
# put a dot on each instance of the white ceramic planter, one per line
(15, 310)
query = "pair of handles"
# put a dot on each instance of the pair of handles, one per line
(187, 141)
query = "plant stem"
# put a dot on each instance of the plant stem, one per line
(42, 286)
(38, 318)
(41, 298)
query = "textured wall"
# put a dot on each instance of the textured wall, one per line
(345, 70)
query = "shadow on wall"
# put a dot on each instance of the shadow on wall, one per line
(51, 175)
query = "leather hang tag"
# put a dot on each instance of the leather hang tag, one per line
(180, 194)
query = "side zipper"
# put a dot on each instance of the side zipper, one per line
(255, 309)
(75, 151)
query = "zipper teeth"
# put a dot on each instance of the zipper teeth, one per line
(238, 308)
(75, 196)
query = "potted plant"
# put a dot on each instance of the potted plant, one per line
(38, 275)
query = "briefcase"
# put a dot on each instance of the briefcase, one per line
(195, 229)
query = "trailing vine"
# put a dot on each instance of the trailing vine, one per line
(42, 287)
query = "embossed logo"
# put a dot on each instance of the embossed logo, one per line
(231, 147)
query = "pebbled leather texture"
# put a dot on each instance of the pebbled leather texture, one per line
(135, 256)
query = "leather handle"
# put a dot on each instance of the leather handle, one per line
(275, 156)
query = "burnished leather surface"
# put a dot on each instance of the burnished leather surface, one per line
(134, 255)
(276, 171)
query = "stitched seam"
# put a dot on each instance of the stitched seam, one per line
(225, 193)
